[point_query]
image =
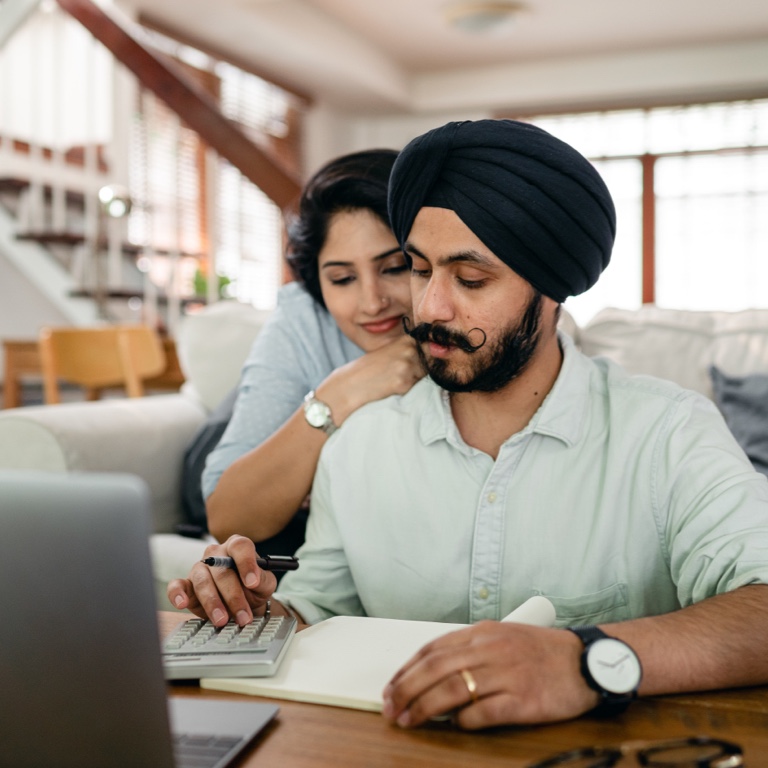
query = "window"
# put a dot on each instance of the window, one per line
(177, 182)
(249, 224)
(690, 185)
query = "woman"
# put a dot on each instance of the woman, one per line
(336, 337)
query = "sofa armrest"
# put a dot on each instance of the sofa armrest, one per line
(143, 436)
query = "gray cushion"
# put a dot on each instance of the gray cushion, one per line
(203, 442)
(195, 524)
(743, 401)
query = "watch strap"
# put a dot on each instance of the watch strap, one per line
(588, 633)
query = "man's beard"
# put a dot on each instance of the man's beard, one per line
(492, 369)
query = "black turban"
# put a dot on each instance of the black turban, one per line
(532, 199)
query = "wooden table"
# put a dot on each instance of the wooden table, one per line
(316, 735)
(22, 358)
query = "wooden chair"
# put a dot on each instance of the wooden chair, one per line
(99, 358)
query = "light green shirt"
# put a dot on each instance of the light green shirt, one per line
(624, 496)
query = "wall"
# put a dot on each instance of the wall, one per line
(24, 309)
(329, 133)
(667, 75)
(660, 76)
(34, 289)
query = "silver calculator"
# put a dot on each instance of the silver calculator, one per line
(196, 648)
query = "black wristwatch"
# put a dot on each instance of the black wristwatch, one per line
(609, 667)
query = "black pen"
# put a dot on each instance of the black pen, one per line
(266, 563)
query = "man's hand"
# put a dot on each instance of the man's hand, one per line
(218, 593)
(522, 674)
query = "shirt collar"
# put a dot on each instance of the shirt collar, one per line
(561, 415)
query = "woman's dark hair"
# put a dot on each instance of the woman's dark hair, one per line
(348, 183)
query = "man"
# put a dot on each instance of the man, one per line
(521, 467)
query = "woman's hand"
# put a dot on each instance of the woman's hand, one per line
(220, 593)
(390, 370)
(283, 466)
(516, 674)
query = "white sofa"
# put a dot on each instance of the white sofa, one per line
(680, 345)
(148, 436)
(143, 436)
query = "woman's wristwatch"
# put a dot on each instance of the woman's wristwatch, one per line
(318, 414)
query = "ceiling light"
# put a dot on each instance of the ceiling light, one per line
(478, 17)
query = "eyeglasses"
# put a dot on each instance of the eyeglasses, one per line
(694, 752)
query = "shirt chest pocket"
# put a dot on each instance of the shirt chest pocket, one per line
(608, 604)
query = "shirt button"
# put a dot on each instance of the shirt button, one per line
(492, 497)
(483, 593)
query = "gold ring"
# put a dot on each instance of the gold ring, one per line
(470, 682)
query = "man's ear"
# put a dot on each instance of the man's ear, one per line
(551, 312)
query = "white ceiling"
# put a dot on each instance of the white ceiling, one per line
(368, 54)
(414, 34)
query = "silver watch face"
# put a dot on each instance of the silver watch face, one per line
(614, 665)
(317, 414)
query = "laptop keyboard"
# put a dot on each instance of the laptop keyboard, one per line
(204, 751)
(199, 649)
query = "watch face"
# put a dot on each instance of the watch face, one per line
(317, 413)
(613, 665)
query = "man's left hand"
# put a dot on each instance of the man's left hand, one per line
(492, 673)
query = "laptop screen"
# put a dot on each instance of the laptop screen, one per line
(81, 681)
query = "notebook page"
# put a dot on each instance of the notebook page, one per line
(346, 661)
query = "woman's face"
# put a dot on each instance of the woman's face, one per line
(364, 279)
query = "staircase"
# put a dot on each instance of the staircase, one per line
(102, 103)
(36, 264)
(56, 233)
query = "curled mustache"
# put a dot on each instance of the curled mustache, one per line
(439, 334)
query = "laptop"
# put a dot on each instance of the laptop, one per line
(81, 677)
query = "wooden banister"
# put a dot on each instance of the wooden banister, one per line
(188, 100)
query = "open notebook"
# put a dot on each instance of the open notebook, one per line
(346, 661)
(80, 670)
